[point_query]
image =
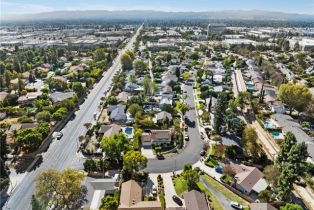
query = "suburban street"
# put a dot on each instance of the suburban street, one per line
(190, 154)
(62, 154)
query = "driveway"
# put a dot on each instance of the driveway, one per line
(169, 191)
(193, 147)
(223, 200)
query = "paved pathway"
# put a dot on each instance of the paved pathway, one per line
(169, 190)
(223, 200)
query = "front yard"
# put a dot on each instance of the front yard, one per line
(230, 195)
(181, 186)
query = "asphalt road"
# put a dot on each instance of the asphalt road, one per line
(223, 200)
(62, 153)
(191, 153)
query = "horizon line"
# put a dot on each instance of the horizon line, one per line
(167, 11)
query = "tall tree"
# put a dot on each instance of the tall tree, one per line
(3, 145)
(113, 146)
(134, 161)
(291, 206)
(139, 66)
(59, 189)
(220, 111)
(295, 96)
(36, 204)
(191, 177)
(292, 165)
(182, 107)
(249, 140)
(109, 203)
(126, 62)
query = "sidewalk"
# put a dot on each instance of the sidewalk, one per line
(169, 191)
(210, 171)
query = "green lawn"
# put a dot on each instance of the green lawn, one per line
(214, 202)
(210, 162)
(213, 149)
(180, 185)
(226, 178)
(230, 195)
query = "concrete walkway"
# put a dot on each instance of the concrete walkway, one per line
(223, 200)
(169, 190)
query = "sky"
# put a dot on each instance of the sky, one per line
(36, 6)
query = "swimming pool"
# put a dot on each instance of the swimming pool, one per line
(128, 131)
(250, 87)
(276, 134)
(268, 125)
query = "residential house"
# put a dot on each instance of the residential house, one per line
(117, 113)
(123, 96)
(288, 124)
(131, 197)
(60, 78)
(29, 97)
(165, 100)
(156, 137)
(195, 200)
(132, 87)
(261, 206)
(270, 98)
(60, 96)
(250, 180)
(166, 90)
(109, 130)
(161, 116)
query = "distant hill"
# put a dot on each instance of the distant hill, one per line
(153, 15)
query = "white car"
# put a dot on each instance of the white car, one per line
(236, 205)
(57, 135)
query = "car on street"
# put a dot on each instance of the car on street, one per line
(236, 205)
(186, 137)
(177, 200)
(160, 156)
(57, 135)
(202, 153)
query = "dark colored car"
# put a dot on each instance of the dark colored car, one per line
(160, 156)
(177, 200)
(202, 153)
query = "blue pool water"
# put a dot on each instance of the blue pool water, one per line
(250, 87)
(268, 125)
(275, 134)
(128, 130)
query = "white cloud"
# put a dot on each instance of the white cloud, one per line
(22, 8)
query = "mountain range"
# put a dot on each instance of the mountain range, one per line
(154, 15)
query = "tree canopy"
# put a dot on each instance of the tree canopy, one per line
(60, 189)
(295, 96)
(114, 145)
(292, 165)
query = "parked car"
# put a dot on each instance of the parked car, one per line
(202, 153)
(186, 137)
(57, 135)
(177, 200)
(235, 205)
(160, 156)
